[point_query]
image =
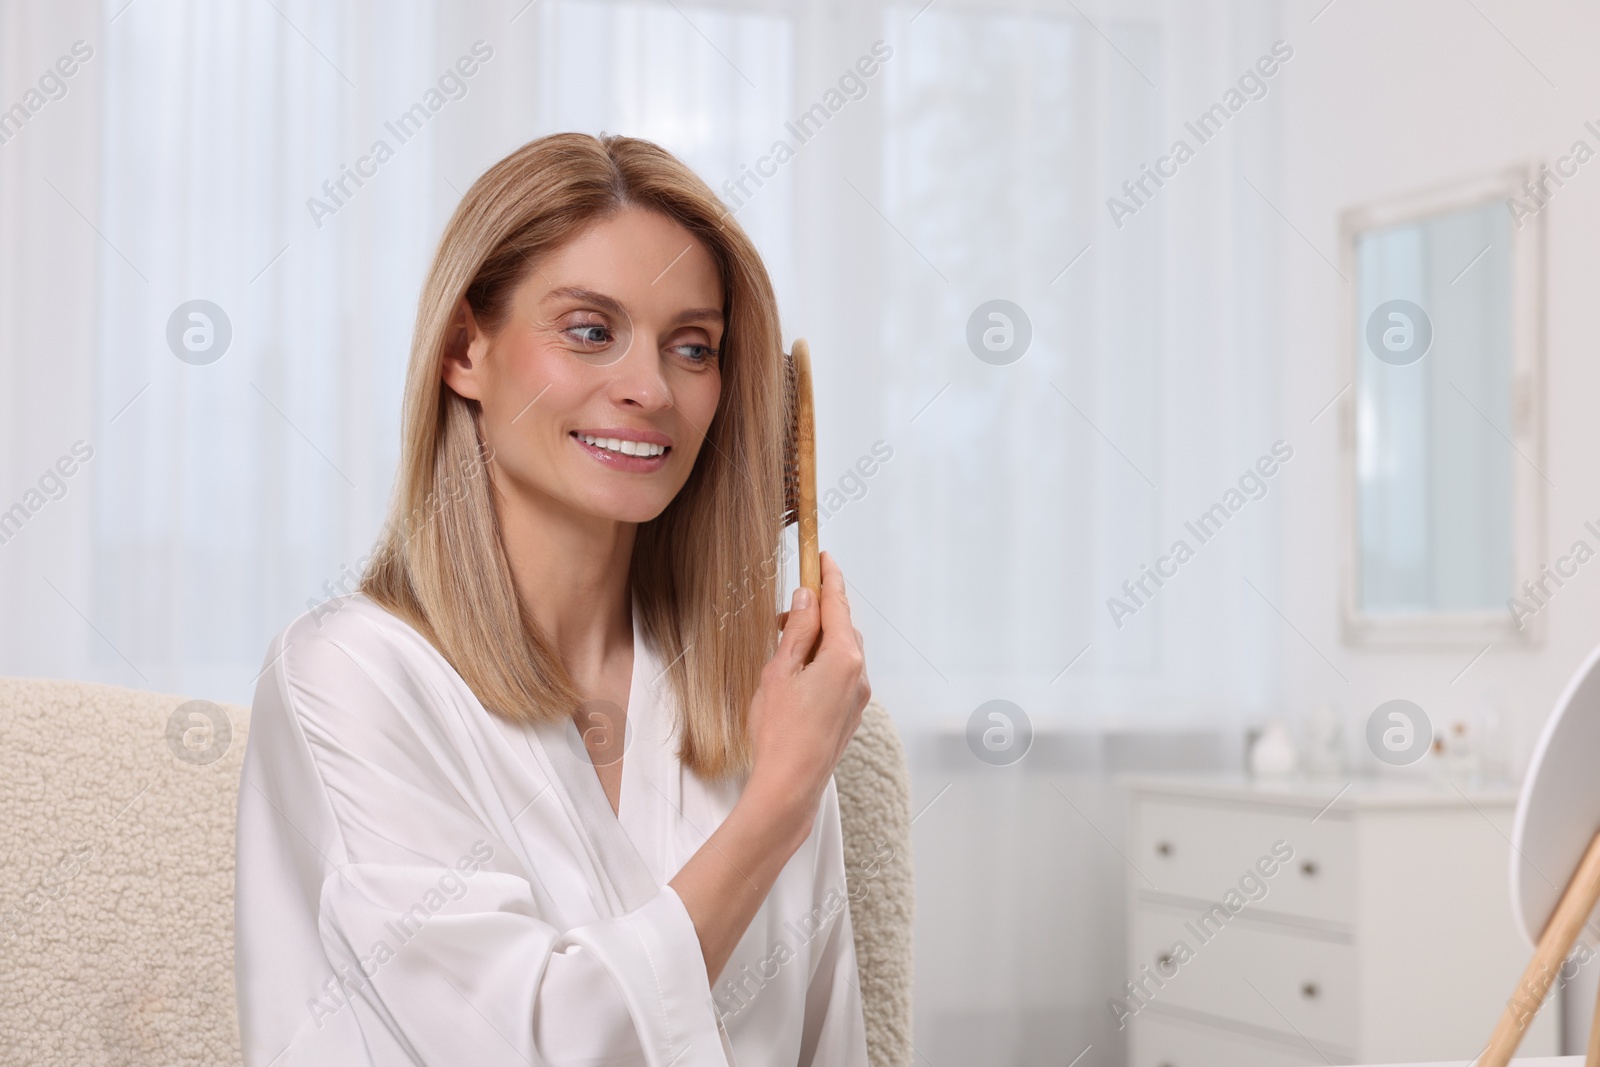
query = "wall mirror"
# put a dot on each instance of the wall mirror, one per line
(1442, 426)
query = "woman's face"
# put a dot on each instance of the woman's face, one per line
(597, 389)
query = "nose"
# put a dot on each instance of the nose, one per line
(637, 382)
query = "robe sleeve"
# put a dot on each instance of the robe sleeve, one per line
(834, 1033)
(379, 919)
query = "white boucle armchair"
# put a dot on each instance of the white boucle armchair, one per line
(116, 877)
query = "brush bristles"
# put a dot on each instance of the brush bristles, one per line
(791, 444)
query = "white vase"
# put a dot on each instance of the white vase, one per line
(1273, 755)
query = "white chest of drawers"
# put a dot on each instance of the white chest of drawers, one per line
(1270, 928)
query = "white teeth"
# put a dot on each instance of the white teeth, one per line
(627, 448)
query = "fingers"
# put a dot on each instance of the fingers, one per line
(800, 626)
(837, 633)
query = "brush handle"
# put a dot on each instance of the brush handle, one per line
(806, 454)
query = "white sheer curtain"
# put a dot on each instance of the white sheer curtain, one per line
(1004, 504)
(1022, 496)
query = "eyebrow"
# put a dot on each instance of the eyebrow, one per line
(613, 305)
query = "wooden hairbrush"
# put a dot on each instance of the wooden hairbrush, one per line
(800, 463)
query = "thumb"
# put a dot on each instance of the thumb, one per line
(800, 632)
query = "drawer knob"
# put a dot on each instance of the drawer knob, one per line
(1309, 868)
(1163, 848)
(1164, 959)
(1310, 991)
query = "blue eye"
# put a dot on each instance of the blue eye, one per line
(594, 333)
(702, 353)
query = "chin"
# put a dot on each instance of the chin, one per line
(633, 507)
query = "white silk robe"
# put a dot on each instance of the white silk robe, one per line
(422, 882)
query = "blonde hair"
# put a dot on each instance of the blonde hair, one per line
(704, 570)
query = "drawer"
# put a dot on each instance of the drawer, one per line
(1248, 973)
(1202, 851)
(1157, 1042)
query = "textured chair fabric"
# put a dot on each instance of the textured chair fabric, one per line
(875, 811)
(116, 889)
(116, 877)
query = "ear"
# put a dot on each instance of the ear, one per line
(465, 347)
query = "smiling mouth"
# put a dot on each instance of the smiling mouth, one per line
(623, 447)
(623, 453)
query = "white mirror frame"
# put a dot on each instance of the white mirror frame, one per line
(1479, 628)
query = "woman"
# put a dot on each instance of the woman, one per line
(550, 788)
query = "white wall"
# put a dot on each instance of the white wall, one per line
(1382, 99)
(1385, 99)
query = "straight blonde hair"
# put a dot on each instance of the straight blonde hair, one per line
(704, 571)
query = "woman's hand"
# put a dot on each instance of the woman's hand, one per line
(804, 714)
(802, 717)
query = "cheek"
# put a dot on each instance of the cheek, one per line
(696, 402)
(527, 386)
(523, 410)
(522, 369)
(697, 398)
